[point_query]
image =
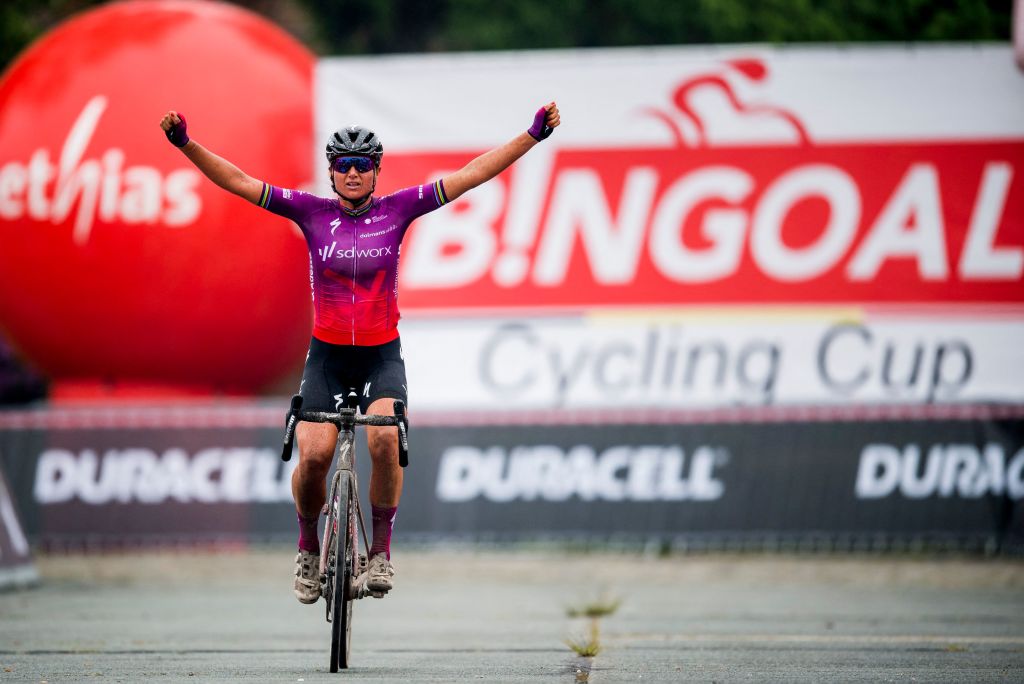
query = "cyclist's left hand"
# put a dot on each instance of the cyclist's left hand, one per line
(544, 122)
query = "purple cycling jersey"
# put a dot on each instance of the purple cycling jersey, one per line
(353, 258)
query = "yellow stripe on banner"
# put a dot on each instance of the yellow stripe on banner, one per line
(727, 314)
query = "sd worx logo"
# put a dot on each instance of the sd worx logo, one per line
(102, 187)
(331, 251)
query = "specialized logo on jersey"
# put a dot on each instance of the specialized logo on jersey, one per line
(334, 225)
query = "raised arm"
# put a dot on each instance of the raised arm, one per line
(490, 164)
(217, 169)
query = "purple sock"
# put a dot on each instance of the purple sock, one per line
(308, 539)
(383, 523)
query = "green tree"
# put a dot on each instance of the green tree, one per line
(352, 27)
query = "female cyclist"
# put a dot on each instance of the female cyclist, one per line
(353, 239)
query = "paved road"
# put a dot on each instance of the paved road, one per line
(502, 617)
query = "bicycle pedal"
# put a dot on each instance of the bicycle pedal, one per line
(378, 594)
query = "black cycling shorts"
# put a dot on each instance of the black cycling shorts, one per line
(374, 372)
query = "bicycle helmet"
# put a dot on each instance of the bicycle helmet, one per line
(355, 140)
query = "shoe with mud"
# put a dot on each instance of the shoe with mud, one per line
(307, 577)
(380, 575)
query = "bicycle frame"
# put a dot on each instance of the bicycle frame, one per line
(345, 421)
(341, 564)
(345, 462)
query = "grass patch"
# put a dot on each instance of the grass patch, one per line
(589, 645)
(599, 607)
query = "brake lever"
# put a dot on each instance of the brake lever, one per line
(403, 433)
(289, 427)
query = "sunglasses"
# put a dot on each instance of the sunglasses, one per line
(343, 164)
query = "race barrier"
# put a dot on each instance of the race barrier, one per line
(739, 479)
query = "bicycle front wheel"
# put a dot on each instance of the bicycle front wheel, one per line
(345, 565)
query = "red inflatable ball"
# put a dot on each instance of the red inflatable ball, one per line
(119, 262)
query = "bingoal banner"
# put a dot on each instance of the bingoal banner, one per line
(717, 176)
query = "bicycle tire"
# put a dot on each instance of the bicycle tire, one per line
(344, 569)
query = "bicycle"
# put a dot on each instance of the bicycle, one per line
(342, 566)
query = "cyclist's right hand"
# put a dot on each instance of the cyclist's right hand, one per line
(175, 128)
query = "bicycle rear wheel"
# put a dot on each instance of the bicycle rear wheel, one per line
(345, 565)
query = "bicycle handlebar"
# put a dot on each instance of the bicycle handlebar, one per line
(346, 419)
